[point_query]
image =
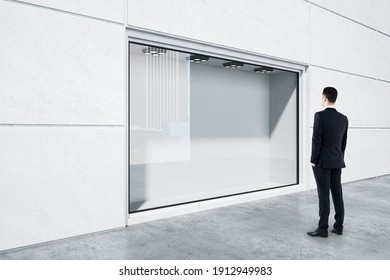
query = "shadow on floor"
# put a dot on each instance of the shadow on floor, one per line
(273, 228)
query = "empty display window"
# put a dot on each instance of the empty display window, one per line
(204, 127)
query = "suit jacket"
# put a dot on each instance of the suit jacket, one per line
(329, 139)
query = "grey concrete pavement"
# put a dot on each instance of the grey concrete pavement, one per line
(273, 228)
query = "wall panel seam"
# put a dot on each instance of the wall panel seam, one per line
(349, 73)
(383, 33)
(310, 37)
(62, 125)
(380, 80)
(365, 127)
(350, 19)
(64, 12)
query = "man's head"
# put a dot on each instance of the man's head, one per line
(329, 96)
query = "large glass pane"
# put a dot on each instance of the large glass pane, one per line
(203, 127)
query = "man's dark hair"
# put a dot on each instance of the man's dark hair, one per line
(330, 93)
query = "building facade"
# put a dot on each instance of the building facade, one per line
(108, 116)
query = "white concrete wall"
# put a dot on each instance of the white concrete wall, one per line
(345, 43)
(339, 43)
(373, 14)
(276, 28)
(350, 51)
(62, 93)
(62, 112)
(110, 10)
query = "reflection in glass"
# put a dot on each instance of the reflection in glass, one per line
(200, 130)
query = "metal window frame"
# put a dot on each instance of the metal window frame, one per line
(183, 44)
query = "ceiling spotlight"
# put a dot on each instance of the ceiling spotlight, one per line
(154, 51)
(233, 64)
(263, 70)
(197, 58)
(161, 51)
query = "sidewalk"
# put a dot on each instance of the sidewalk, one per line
(273, 228)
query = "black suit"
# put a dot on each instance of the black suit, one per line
(328, 147)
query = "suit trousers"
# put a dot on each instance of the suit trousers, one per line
(329, 179)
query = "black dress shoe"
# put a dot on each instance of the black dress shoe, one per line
(337, 231)
(319, 232)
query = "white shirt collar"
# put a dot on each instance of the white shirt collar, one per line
(330, 106)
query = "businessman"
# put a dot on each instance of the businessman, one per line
(327, 159)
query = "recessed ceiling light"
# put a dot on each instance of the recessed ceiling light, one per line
(233, 64)
(263, 70)
(197, 58)
(154, 51)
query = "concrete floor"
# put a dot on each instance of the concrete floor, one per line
(272, 228)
